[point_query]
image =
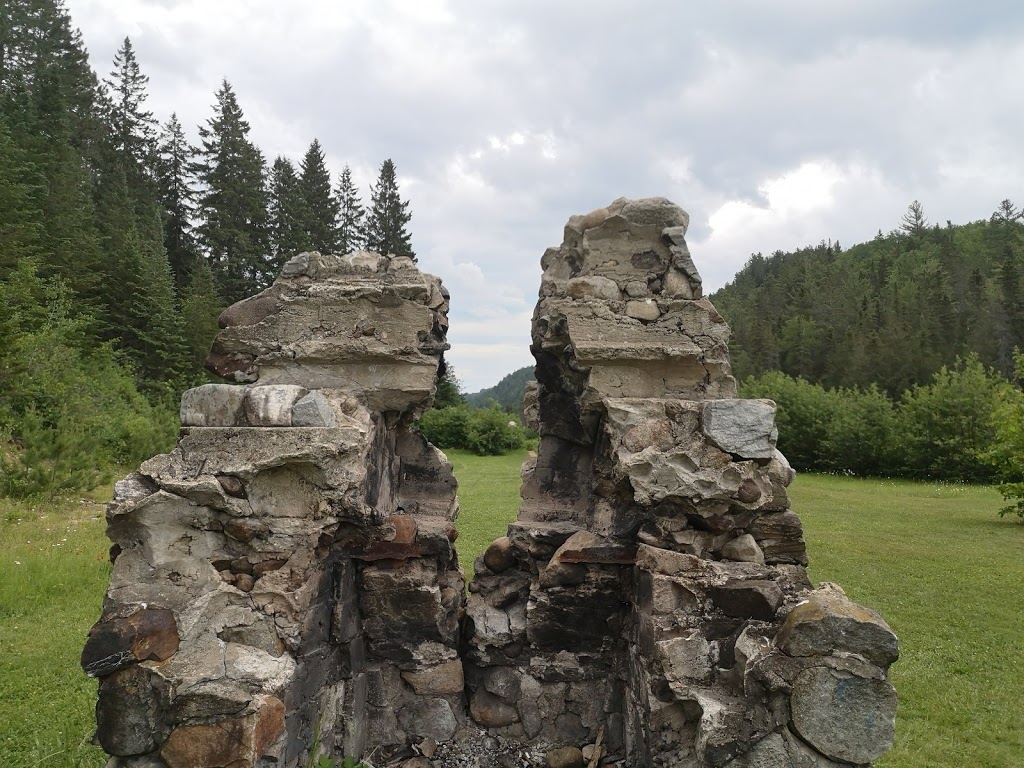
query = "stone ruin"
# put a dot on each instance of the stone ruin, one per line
(285, 580)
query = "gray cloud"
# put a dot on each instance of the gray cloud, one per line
(775, 124)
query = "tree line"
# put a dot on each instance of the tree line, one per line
(890, 312)
(121, 242)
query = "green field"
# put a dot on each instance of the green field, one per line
(934, 559)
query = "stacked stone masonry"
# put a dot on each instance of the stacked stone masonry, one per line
(287, 575)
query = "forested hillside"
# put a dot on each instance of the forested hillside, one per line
(120, 243)
(507, 393)
(890, 312)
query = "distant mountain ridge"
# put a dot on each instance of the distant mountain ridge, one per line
(507, 393)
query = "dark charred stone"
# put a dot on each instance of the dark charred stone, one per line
(243, 529)
(263, 567)
(611, 554)
(245, 582)
(575, 620)
(130, 712)
(748, 493)
(150, 634)
(781, 537)
(748, 599)
(233, 367)
(500, 556)
(248, 311)
(232, 486)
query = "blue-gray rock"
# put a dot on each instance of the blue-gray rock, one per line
(843, 716)
(744, 428)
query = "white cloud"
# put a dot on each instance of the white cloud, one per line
(776, 125)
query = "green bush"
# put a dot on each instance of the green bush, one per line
(446, 427)
(946, 427)
(492, 432)
(69, 413)
(861, 436)
(1006, 456)
(943, 430)
(484, 431)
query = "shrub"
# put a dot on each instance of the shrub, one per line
(946, 427)
(69, 412)
(1006, 456)
(446, 427)
(484, 431)
(861, 435)
(492, 432)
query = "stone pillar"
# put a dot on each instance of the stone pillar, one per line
(649, 592)
(287, 573)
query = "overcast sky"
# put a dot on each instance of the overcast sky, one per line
(775, 124)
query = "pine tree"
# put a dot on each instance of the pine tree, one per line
(288, 214)
(352, 215)
(140, 312)
(174, 163)
(232, 209)
(389, 214)
(133, 126)
(320, 203)
(914, 222)
(1006, 213)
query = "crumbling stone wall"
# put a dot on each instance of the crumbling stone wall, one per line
(289, 567)
(653, 591)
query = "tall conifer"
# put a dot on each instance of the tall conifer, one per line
(233, 226)
(386, 225)
(320, 203)
(133, 126)
(288, 213)
(174, 163)
(352, 215)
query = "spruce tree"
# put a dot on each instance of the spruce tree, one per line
(233, 226)
(1006, 213)
(320, 203)
(352, 215)
(133, 127)
(174, 163)
(389, 214)
(140, 313)
(288, 214)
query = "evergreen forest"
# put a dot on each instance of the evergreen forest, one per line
(121, 241)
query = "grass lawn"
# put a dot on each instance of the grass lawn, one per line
(935, 560)
(488, 498)
(53, 573)
(948, 575)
